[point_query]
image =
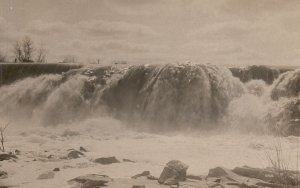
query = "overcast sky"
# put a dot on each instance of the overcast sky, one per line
(204, 31)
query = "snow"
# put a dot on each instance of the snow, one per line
(108, 137)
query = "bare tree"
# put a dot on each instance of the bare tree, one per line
(28, 49)
(41, 54)
(18, 53)
(2, 130)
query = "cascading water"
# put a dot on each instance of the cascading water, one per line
(274, 108)
(19, 100)
(160, 97)
(287, 85)
(204, 116)
(53, 98)
(247, 112)
(285, 115)
(173, 96)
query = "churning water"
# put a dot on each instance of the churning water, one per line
(199, 114)
(156, 97)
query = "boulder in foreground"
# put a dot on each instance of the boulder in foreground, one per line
(173, 172)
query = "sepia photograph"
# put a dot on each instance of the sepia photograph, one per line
(149, 93)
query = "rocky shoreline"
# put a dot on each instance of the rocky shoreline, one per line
(174, 174)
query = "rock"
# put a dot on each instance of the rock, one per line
(50, 156)
(218, 172)
(224, 172)
(128, 183)
(138, 186)
(47, 175)
(242, 177)
(172, 181)
(17, 152)
(222, 177)
(194, 177)
(173, 172)
(167, 173)
(256, 72)
(218, 180)
(128, 160)
(5, 156)
(3, 174)
(257, 173)
(143, 174)
(150, 177)
(272, 185)
(268, 175)
(106, 160)
(82, 149)
(91, 180)
(56, 169)
(74, 154)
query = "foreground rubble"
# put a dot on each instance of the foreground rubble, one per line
(174, 176)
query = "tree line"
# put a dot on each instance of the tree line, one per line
(24, 51)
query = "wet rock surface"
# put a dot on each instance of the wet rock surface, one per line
(56, 169)
(7, 156)
(256, 72)
(15, 71)
(82, 149)
(74, 154)
(106, 160)
(143, 174)
(146, 175)
(128, 161)
(3, 174)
